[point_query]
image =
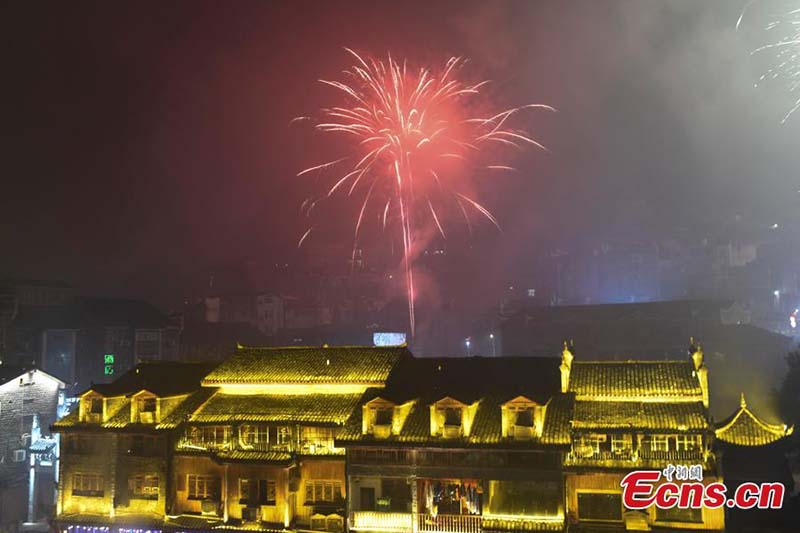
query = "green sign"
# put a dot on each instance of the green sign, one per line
(108, 360)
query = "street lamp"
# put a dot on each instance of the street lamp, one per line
(467, 343)
(494, 347)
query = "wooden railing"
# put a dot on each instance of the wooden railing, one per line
(426, 523)
(643, 458)
(449, 523)
(375, 521)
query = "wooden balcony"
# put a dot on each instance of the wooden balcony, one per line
(449, 523)
(642, 458)
(426, 523)
(375, 521)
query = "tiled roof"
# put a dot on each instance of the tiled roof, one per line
(242, 456)
(556, 420)
(489, 381)
(471, 378)
(486, 427)
(185, 408)
(640, 415)
(311, 408)
(634, 379)
(163, 378)
(744, 428)
(313, 365)
(120, 418)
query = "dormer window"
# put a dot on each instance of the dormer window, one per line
(383, 418)
(145, 408)
(452, 423)
(147, 405)
(91, 408)
(382, 427)
(522, 418)
(96, 406)
(451, 418)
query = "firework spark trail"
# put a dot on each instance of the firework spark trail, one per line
(414, 139)
(786, 52)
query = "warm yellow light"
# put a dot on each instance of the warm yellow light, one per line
(290, 389)
(559, 517)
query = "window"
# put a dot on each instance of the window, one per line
(87, 485)
(659, 443)
(203, 487)
(693, 516)
(280, 436)
(147, 342)
(323, 491)
(605, 506)
(524, 418)
(254, 434)
(215, 436)
(19, 456)
(144, 445)
(256, 491)
(96, 406)
(684, 443)
(143, 487)
(147, 405)
(383, 416)
(317, 440)
(452, 416)
(590, 444)
(621, 443)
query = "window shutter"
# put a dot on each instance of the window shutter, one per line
(262, 491)
(181, 483)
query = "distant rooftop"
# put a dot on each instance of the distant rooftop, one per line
(163, 378)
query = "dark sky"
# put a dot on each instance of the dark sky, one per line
(144, 141)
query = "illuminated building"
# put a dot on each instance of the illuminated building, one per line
(248, 446)
(459, 445)
(30, 400)
(116, 459)
(374, 439)
(633, 415)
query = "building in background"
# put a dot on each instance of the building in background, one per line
(30, 401)
(81, 340)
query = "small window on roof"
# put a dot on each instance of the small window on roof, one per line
(383, 416)
(148, 405)
(524, 418)
(452, 416)
(96, 406)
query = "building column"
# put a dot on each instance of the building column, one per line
(224, 495)
(32, 488)
(414, 505)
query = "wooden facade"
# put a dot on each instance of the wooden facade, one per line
(374, 439)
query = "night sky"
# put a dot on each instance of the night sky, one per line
(146, 142)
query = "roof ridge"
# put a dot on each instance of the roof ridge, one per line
(633, 361)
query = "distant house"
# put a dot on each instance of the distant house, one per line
(30, 401)
(83, 340)
(213, 341)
